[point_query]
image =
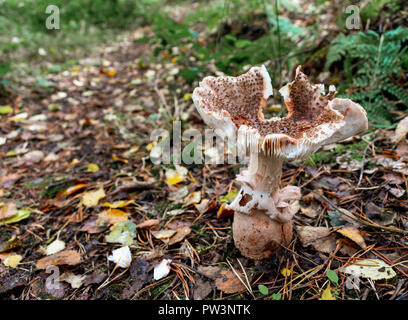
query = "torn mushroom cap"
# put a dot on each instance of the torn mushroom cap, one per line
(234, 105)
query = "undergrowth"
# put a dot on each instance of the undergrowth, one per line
(375, 66)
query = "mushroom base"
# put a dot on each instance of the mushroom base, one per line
(257, 236)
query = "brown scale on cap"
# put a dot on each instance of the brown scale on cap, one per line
(243, 98)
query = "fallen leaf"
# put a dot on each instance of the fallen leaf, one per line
(71, 190)
(116, 158)
(92, 167)
(228, 282)
(21, 215)
(401, 131)
(176, 176)
(118, 204)
(397, 192)
(91, 198)
(285, 272)
(320, 238)
(374, 269)
(111, 216)
(181, 233)
(205, 205)
(8, 210)
(67, 257)
(354, 235)
(174, 179)
(175, 212)
(123, 232)
(55, 247)
(34, 156)
(74, 280)
(13, 260)
(327, 294)
(148, 223)
(179, 194)
(224, 212)
(5, 109)
(163, 234)
(192, 198)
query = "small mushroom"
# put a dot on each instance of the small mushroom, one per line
(262, 210)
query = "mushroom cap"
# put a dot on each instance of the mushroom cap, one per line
(234, 105)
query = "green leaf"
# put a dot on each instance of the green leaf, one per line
(276, 296)
(332, 276)
(262, 289)
(21, 214)
(54, 107)
(122, 232)
(5, 109)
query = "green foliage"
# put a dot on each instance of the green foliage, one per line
(332, 276)
(373, 64)
(262, 289)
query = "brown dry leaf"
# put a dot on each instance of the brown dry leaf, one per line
(205, 205)
(73, 279)
(224, 212)
(163, 235)
(8, 210)
(393, 178)
(67, 257)
(192, 198)
(311, 211)
(320, 238)
(91, 227)
(181, 233)
(354, 235)
(401, 131)
(8, 180)
(228, 282)
(148, 223)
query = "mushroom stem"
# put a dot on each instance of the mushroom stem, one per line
(263, 214)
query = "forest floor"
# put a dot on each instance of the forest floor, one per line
(76, 183)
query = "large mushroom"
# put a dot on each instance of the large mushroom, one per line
(262, 210)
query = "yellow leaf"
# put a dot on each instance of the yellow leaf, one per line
(92, 167)
(116, 158)
(111, 216)
(13, 260)
(354, 235)
(92, 198)
(327, 295)
(285, 272)
(175, 179)
(187, 96)
(118, 204)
